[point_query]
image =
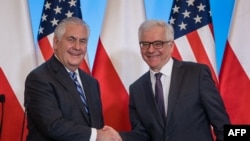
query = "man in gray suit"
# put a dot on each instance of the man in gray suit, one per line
(61, 108)
(190, 106)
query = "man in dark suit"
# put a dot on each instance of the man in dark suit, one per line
(56, 110)
(191, 107)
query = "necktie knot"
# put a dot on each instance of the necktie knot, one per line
(73, 75)
(158, 76)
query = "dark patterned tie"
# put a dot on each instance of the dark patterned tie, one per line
(159, 95)
(80, 90)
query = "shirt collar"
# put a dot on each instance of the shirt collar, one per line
(76, 71)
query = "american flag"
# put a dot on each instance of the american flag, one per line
(194, 39)
(53, 12)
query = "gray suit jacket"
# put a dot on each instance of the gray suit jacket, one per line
(54, 108)
(194, 104)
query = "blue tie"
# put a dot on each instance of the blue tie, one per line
(80, 90)
(159, 95)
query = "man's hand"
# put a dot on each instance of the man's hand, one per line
(107, 133)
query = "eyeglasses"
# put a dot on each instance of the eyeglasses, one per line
(156, 44)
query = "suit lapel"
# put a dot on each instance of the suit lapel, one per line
(151, 99)
(63, 77)
(176, 79)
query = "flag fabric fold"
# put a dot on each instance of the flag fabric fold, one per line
(53, 12)
(118, 62)
(235, 69)
(194, 39)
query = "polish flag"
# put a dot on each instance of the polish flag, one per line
(118, 61)
(235, 70)
(17, 59)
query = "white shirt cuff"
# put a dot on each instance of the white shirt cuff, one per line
(93, 134)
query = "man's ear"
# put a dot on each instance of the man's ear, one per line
(55, 42)
(172, 46)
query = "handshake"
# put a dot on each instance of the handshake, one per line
(107, 133)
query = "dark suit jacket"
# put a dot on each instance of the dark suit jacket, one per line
(194, 104)
(54, 109)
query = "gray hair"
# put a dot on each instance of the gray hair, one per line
(61, 27)
(153, 23)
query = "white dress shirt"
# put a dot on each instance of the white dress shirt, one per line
(166, 71)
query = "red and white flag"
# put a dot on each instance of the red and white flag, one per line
(17, 59)
(235, 70)
(53, 12)
(118, 62)
(194, 40)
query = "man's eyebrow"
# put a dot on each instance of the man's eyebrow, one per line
(71, 37)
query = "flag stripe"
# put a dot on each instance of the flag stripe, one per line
(13, 113)
(197, 47)
(176, 53)
(235, 88)
(237, 38)
(199, 44)
(114, 95)
(184, 49)
(207, 39)
(45, 48)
